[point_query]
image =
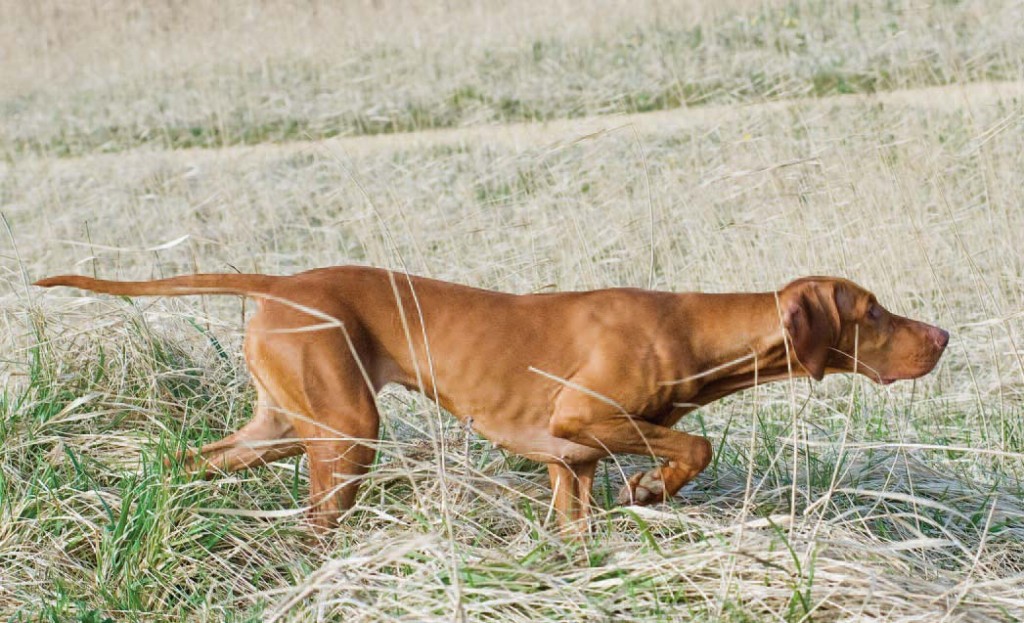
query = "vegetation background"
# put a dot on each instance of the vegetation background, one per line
(562, 144)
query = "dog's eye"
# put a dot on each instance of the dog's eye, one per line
(874, 312)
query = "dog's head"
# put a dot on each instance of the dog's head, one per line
(834, 325)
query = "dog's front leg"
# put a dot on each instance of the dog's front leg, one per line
(571, 486)
(588, 422)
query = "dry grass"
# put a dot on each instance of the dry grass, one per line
(111, 74)
(834, 501)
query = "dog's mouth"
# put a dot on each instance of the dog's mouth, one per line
(925, 344)
(920, 368)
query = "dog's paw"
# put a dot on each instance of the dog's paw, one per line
(188, 461)
(642, 489)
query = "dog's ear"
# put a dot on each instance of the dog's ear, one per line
(811, 317)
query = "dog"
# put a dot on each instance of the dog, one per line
(562, 378)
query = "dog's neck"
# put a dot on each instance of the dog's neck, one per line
(742, 346)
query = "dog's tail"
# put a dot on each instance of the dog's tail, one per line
(245, 285)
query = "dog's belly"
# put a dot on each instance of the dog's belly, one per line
(515, 421)
(532, 440)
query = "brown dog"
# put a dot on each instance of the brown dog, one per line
(564, 378)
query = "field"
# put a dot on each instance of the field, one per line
(559, 145)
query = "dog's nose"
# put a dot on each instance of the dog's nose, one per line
(941, 338)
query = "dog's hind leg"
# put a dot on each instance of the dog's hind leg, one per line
(340, 442)
(317, 376)
(268, 437)
(339, 428)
